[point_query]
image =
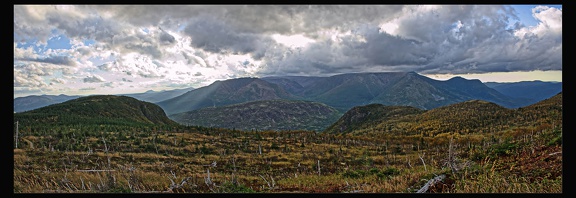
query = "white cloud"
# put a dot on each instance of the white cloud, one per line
(293, 41)
(93, 79)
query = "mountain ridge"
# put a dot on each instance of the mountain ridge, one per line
(226, 92)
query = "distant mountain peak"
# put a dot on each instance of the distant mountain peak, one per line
(220, 93)
(457, 78)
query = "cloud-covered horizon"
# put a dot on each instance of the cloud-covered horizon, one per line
(69, 48)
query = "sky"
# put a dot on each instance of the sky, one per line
(114, 49)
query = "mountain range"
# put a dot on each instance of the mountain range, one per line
(392, 88)
(531, 91)
(342, 92)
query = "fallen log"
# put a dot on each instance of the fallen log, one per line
(431, 182)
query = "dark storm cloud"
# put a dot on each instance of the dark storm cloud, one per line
(89, 27)
(284, 19)
(385, 49)
(321, 58)
(214, 36)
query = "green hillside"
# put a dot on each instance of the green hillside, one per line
(370, 115)
(263, 115)
(470, 117)
(96, 110)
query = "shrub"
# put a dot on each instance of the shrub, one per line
(391, 171)
(229, 187)
(503, 149)
(556, 139)
(119, 189)
(351, 174)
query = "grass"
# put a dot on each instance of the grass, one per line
(347, 164)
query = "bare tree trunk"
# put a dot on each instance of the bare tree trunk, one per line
(422, 159)
(106, 150)
(154, 142)
(16, 134)
(451, 158)
(259, 148)
(318, 167)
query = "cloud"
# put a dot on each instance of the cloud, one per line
(166, 39)
(431, 39)
(87, 89)
(93, 79)
(57, 81)
(36, 75)
(57, 60)
(283, 19)
(108, 84)
(25, 80)
(214, 36)
(197, 44)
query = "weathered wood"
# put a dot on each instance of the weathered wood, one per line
(430, 183)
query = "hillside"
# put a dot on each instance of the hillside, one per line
(417, 91)
(370, 115)
(470, 117)
(348, 90)
(100, 109)
(263, 115)
(226, 92)
(473, 116)
(548, 112)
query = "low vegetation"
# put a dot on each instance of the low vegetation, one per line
(525, 157)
